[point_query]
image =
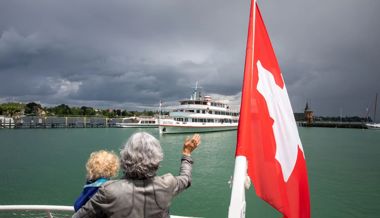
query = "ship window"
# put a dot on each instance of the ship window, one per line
(192, 111)
(198, 111)
(203, 111)
(210, 112)
(186, 119)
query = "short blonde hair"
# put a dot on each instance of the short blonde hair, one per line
(102, 163)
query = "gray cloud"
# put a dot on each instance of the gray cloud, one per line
(135, 53)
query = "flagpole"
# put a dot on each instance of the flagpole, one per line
(237, 202)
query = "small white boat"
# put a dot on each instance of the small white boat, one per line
(374, 125)
(199, 114)
(6, 122)
(138, 122)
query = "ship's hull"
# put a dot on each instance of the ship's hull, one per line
(172, 129)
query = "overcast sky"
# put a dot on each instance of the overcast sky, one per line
(132, 54)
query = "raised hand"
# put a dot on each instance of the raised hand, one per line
(191, 144)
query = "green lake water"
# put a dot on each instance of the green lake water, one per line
(46, 166)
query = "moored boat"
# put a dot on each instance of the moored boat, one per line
(374, 125)
(6, 122)
(199, 114)
(138, 122)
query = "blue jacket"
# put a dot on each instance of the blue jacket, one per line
(89, 190)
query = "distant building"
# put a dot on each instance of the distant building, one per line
(299, 116)
(309, 114)
(41, 112)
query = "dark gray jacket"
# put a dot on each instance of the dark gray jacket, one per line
(138, 198)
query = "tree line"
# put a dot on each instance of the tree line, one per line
(34, 109)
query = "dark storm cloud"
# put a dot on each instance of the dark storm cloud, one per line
(133, 53)
(327, 51)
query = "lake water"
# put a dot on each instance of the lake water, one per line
(46, 166)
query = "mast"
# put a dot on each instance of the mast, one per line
(374, 113)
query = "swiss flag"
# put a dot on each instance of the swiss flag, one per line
(267, 133)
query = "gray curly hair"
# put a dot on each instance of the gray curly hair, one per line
(141, 156)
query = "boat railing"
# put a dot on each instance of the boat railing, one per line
(48, 211)
(200, 106)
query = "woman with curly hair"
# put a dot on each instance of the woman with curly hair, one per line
(141, 193)
(101, 166)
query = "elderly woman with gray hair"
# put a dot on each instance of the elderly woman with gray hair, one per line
(141, 193)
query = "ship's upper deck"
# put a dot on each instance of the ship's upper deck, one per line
(203, 102)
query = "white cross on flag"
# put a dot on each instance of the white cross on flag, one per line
(268, 138)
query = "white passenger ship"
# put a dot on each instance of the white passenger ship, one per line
(199, 114)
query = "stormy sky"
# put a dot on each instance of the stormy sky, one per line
(132, 54)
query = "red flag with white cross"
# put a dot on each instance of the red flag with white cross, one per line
(268, 138)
